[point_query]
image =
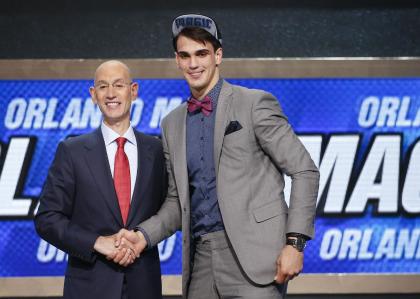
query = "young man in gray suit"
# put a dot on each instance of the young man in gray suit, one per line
(226, 151)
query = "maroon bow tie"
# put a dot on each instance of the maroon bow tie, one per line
(205, 105)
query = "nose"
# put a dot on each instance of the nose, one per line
(193, 62)
(110, 93)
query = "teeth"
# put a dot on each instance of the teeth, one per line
(113, 104)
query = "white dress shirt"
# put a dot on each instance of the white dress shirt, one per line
(130, 149)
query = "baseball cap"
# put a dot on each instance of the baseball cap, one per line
(194, 20)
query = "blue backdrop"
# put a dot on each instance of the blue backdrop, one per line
(362, 133)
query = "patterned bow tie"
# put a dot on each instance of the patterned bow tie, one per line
(205, 105)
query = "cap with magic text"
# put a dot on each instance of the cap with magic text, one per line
(193, 20)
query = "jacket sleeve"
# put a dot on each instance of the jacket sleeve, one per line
(277, 139)
(53, 218)
(168, 219)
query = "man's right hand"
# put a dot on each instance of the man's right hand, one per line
(123, 254)
(136, 239)
(106, 246)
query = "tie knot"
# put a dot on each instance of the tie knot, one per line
(121, 141)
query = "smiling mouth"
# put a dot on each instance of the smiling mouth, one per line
(195, 75)
(112, 104)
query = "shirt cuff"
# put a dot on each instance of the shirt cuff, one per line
(298, 235)
(146, 236)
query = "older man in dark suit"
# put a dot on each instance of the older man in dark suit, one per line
(101, 182)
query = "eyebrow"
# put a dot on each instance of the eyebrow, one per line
(105, 82)
(201, 51)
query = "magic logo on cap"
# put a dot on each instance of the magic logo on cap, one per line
(199, 21)
(194, 22)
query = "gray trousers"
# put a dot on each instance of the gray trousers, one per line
(216, 273)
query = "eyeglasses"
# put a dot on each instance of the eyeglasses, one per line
(117, 85)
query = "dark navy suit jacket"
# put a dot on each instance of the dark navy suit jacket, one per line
(78, 204)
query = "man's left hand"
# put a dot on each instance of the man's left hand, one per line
(289, 264)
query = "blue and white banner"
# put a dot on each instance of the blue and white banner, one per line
(362, 133)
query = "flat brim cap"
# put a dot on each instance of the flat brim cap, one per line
(193, 20)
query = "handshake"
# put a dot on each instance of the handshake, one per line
(122, 248)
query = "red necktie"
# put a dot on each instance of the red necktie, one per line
(122, 179)
(205, 105)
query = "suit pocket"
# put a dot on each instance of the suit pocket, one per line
(233, 127)
(268, 211)
(75, 274)
(79, 269)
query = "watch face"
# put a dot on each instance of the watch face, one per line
(298, 243)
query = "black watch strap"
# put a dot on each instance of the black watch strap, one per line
(297, 235)
(298, 243)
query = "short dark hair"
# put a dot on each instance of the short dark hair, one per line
(199, 35)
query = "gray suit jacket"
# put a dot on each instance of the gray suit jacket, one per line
(249, 162)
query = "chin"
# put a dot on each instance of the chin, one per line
(196, 85)
(114, 116)
(195, 81)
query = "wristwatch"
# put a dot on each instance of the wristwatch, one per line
(299, 243)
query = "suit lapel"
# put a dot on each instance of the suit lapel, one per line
(222, 112)
(144, 169)
(97, 162)
(180, 155)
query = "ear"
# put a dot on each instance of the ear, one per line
(93, 94)
(134, 91)
(219, 56)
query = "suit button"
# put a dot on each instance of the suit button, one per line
(185, 209)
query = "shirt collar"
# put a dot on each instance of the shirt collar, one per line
(110, 135)
(214, 92)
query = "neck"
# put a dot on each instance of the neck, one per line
(200, 93)
(118, 126)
